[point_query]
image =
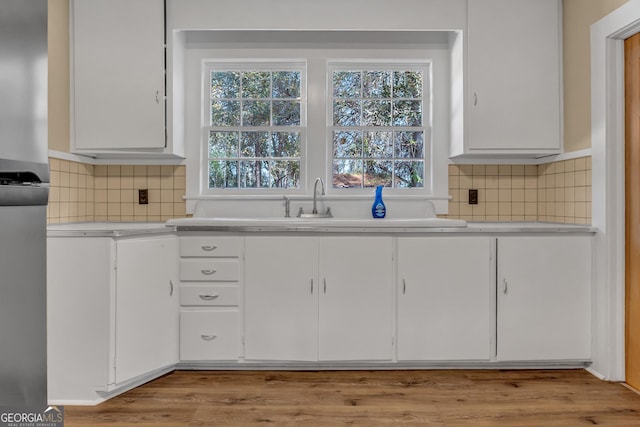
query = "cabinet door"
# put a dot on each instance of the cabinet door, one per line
(514, 75)
(444, 298)
(356, 299)
(146, 305)
(118, 74)
(544, 298)
(281, 298)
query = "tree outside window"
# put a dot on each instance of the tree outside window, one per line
(378, 135)
(254, 136)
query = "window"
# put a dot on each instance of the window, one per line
(256, 125)
(242, 142)
(378, 133)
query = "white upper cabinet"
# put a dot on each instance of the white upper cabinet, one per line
(513, 94)
(118, 86)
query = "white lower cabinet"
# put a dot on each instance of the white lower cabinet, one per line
(544, 298)
(318, 298)
(210, 297)
(114, 319)
(444, 298)
(147, 306)
(281, 298)
(112, 314)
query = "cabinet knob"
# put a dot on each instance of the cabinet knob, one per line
(170, 288)
(505, 288)
(475, 99)
(209, 297)
(208, 272)
(157, 97)
(208, 337)
(208, 248)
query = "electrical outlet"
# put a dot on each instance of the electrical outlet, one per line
(143, 197)
(473, 197)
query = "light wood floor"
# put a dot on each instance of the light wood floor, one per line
(431, 398)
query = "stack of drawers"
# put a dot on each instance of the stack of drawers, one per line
(210, 297)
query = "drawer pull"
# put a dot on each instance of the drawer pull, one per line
(208, 272)
(209, 248)
(209, 297)
(208, 337)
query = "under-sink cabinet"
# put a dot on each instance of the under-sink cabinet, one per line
(211, 272)
(318, 298)
(445, 292)
(112, 314)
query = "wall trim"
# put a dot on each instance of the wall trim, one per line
(607, 140)
(72, 157)
(564, 156)
(80, 158)
(521, 161)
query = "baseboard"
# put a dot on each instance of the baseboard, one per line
(342, 366)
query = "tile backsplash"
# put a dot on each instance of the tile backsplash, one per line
(81, 192)
(553, 192)
(71, 194)
(116, 193)
(505, 192)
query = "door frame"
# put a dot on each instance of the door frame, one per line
(608, 190)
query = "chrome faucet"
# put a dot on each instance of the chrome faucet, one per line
(287, 207)
(315, 192)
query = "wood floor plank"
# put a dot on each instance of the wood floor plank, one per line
(368, 398)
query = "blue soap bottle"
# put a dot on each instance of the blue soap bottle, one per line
(378, 210)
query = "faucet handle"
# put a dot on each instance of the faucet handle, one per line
(328, 212)
(300, 212)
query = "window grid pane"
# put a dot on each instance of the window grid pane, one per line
(378, 134)
(254, 137)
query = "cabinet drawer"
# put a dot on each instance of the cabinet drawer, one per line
(210, 271)
(213, 295)
(209, 335)
(210, 247)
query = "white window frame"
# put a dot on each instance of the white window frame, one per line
(257, 64)
(384, 65)
(315, 152)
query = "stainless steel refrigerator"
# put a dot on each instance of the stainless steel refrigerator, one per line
(24, 188)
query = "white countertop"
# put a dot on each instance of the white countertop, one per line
(107, 229)
(530, 227)
(413, 225)
(357, 225)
